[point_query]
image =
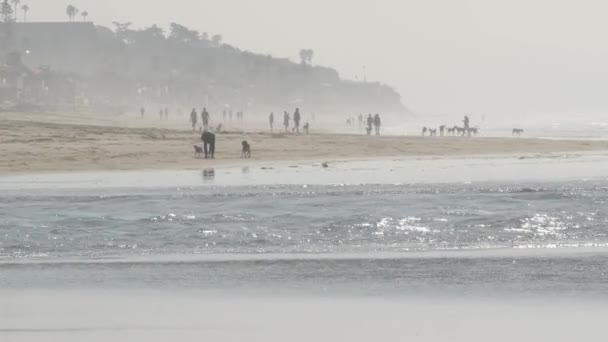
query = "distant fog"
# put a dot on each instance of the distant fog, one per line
(532, 57)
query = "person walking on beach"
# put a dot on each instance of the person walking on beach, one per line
(377, 123)
(193, 119)
(370, 122)
(296, 120)
(224, 115)
(205, 116)
(286, 120)
(208, 139)
(271, 121)
(142, 112)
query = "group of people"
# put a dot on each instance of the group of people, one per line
(228, 114)
(297, 119)
(163, 113)
(205, 118)
(373, 123)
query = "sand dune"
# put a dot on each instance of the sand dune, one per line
(52, 142)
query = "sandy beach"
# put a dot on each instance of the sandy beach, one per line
(34, 143)
(99, 316)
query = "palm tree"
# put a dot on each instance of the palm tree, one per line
(16, 5)
(71, 11)
(216, 40)
(311, 55)
(25, 8)
(306, 56)
(84, 14)
(6, 11)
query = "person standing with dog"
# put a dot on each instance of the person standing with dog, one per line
(206, 117)
(208, 139)
(466, 123)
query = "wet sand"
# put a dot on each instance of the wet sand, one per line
(526, 172)
(161, 316)
(38, 143)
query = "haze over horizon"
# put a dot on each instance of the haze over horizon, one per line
(535, 57)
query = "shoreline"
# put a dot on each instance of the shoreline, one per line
(540, 251)
(426, 171)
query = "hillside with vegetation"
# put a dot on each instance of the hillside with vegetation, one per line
(78, 63)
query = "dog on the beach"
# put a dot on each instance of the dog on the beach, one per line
(198, 151)
(246, 151)
(517, 131)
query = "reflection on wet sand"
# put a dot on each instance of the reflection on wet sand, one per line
(208, 175)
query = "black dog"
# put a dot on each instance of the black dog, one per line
(246, 152)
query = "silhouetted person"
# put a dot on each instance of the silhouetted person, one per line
(161, 112)
(230, 112)
(224, 113)
(360, 121)
(466, 125)
(370, 123)
(205, 116)
(286, 120)
(377, 123)
(193, 119)
(296, 120)
(271, 121)
(142, 112)
(166, 113)
(208, 139)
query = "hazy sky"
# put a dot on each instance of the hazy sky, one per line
(444, 56)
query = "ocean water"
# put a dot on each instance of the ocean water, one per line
(412, 250)
(390, 240)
